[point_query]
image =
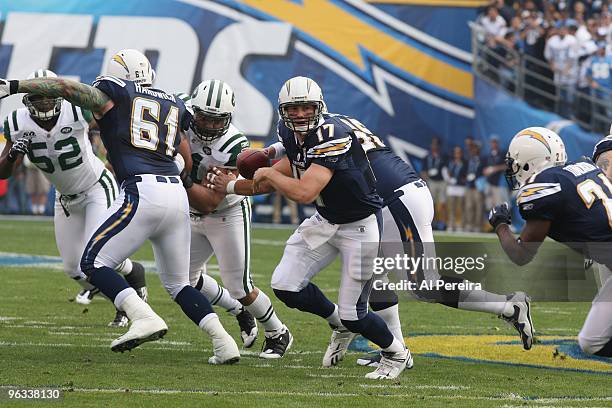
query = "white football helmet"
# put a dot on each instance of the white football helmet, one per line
(131, 65)
(300, 91)
(531, 151)
(42, 107)
(212, 103)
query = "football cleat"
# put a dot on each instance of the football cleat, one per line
(391, 365)
(338, 345)
(150, 327)
(276, 343)
(225, 351)
(521, 318)
(85, 296)
(248, 328)
(373, 360)
(120, 320)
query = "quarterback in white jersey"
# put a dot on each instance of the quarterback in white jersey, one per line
(225, 230)
(54, 135)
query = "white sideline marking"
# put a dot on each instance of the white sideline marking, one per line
(334, 375)
(509, 397)
(9, 318)
(271, 242)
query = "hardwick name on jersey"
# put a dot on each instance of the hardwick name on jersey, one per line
(351, 193)
(141, 132)
(64, 153)
(576, 198)
(221, 152)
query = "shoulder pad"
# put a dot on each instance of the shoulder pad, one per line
(106, 78)
(334, 147)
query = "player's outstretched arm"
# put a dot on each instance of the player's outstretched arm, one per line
(522, 250)
(303, 190)
(227, 183)
(79, 94)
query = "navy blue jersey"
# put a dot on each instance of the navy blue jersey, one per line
(141, 132)
(391, 172)
(576, 198)
(350, 194)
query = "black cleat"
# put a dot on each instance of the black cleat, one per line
(276, 345)
(248, 328)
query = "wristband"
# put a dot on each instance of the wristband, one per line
(230, 187)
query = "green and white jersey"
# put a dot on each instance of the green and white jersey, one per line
(64, 153)
(222, 152)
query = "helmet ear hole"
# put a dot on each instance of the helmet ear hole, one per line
(526, 167)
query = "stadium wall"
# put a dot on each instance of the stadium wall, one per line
(402, 67)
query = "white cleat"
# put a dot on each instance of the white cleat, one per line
(391, 365)
(225, 351)
(521, 318)
(338, 345)
(143, 329)
(373, 360)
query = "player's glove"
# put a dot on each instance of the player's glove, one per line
(500, 214)
(8, 87)
(21, 146)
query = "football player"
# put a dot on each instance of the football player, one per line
(326, 164)
(568, 202)
(225, 231)
(141, 128)
(407, 217)
(53, 133)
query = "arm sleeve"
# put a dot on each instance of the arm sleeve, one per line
(235, 151)
(7, 130)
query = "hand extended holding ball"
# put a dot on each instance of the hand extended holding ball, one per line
(249, 160)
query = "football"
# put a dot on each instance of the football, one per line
(249, 160)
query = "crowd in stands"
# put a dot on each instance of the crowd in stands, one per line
(572, 39)
(465, 183)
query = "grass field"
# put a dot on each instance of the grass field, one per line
(461, 358)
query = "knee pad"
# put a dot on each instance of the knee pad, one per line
(356, 326)
(291, 299)
(174, 289)
(591, 347)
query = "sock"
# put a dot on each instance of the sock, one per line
(264, 312)
(310, 299)
(391, 316)
(483, 301)
(125, 267)
(194, 304)
(218, 295)
(395, 347)
(374, 329)
(108, 281)
(211, 325)
(334, 318)
(382, 299)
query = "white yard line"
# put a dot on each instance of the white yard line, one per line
(508, 397)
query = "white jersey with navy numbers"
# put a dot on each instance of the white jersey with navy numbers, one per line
(222, 153)
(64, 153)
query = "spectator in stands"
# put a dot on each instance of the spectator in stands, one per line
(495, 165)
(17, 197)
(494, 25)
(432, 173)
(504, 9)
(562, 54)
(277, 213)
(473, 215)
(455, 174)
(37, 186)
(599, 73)
(507, 68)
